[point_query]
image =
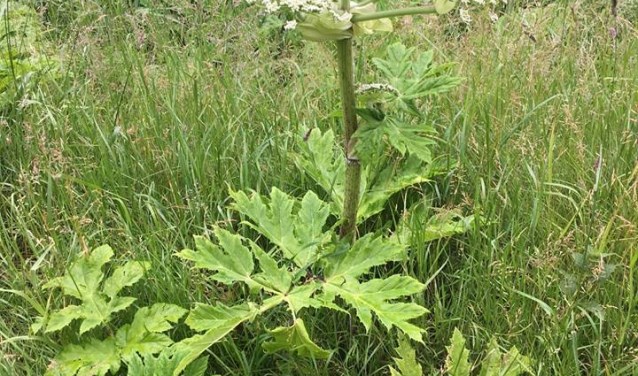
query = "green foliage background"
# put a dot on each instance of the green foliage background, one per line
(161, 107)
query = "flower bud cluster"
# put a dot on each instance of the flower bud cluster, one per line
(364, 88)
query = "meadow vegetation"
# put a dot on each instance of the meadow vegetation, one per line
(135, 123)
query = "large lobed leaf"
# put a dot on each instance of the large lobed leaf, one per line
(94, 358)
(324, 164)
(326, 168)
(297, 229)
(230, 260)
(375, 296)
(143, 336)
(413, 78)
(83, 280)
(164, 364)
(365, 253)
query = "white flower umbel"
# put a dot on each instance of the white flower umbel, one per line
(304, 6)
(290, 25)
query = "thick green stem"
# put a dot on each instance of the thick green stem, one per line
(412, 11)
(353, 168)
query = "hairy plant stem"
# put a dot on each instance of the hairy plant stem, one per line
(353, 167)
(412, 11)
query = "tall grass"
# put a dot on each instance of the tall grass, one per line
(161, 110)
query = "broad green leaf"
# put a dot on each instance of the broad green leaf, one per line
(231, 260)
(375, 295)
(218, 321)
(404, 137)
(301, 297)
(197, 368)
(429, 227)
(406, 362)
(164, 364)
(82, 281)
(295, 338)
(296, 228)
(514, 364)
(323, 166)
(120, 303)
(413, 78)
(124, 276)
(85, 274)
(143, 334)
(39, 323)
(60, 319)
(496, 363)
(392, 180)
(205, 317)
(272, 276)
(491, 365)
(310, 221)
(365, 253)
(93, 358)
(398, 63)
(444, 6)
(324, 163)
(456, 362)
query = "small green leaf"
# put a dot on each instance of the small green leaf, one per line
(444, 6)
(457, 363)
(295, 338)
(496, 363)
(406, 363)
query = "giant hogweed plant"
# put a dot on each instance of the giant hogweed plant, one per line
(300, 262)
